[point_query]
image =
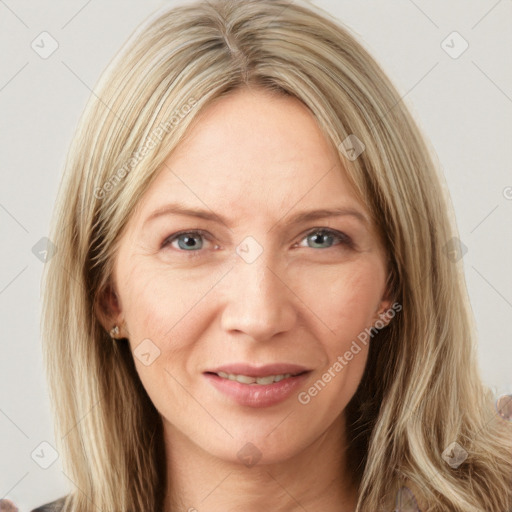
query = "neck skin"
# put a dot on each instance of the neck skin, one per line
(314, 479)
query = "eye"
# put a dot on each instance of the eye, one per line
(192, 241)
(188, 241)
(320, 236)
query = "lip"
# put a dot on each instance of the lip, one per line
(258, 395)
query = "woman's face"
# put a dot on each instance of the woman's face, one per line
(252, 286)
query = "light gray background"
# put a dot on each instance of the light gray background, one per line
(463, 105)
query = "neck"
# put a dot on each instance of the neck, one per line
(314, 479)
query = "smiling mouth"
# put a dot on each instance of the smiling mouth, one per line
(261, 381)
(257, 387)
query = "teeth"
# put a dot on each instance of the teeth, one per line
(265, 380)
(245, 379)
(242, 378)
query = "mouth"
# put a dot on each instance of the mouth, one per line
(259, 381)
(252, 386)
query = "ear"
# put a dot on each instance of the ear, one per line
(108, 309)
(382, 312)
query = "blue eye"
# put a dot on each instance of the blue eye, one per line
(187, 240)
(319, 235)
(192, 241)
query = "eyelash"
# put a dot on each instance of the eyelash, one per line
(342, 238)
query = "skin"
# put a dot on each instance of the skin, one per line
(257, 160)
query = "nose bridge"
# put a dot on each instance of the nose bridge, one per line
(258, 301)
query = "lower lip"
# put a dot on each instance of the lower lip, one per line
(257, 395)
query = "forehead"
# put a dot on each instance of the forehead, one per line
(252, 152)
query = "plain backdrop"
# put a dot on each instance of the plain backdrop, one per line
(462, 103)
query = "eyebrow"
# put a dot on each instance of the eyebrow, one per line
(179, 209)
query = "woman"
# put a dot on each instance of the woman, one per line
(252, 303)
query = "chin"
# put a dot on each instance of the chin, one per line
(260, 447)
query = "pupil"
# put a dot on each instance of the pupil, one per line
(319, 238)
(189, 241)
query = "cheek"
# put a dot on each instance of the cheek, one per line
(157, 303)
(158, 312)
(165, 316)
(347, 297)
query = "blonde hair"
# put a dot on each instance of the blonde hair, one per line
(421, 389)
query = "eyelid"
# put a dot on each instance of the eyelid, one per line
(341, 236)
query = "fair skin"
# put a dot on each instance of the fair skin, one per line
(256, 160)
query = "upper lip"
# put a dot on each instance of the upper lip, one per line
(259, 371)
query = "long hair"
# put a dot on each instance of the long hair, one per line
(421, 390)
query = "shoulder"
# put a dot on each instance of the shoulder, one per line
(54, 506)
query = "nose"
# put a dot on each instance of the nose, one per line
(259, 301)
